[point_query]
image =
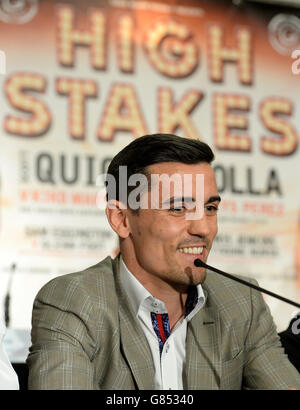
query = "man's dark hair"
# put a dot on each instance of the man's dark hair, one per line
(156, 148)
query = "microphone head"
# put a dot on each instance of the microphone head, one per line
(198, 262)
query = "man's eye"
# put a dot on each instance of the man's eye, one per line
(211, 209)
(177, 208)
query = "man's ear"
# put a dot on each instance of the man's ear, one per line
(117, 218)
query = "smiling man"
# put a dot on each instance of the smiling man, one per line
(149, 319)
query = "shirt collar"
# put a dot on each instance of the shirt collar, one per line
(140, 296)
(133, 288)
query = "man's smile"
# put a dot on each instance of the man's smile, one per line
(194, 250)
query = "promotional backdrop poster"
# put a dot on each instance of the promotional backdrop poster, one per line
(81, 79)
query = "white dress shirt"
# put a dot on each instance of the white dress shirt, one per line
(8, 377)
(169, 362)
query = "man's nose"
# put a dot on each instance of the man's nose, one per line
(199, 226)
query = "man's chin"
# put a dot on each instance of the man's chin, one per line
(195, 276)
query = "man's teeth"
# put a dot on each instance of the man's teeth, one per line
(193, 251)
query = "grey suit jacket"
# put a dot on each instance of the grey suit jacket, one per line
(86, 336)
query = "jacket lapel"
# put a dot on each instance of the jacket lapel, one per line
(136, 351)
(203, 361)
(133, 341)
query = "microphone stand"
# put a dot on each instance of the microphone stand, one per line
(7, 297)
(200, 264)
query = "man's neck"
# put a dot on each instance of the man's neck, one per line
(174, 298)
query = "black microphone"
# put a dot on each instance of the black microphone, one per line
(7, 297)
(200, 264)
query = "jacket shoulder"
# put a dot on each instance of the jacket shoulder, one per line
(230, 296)
(95, 284)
